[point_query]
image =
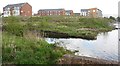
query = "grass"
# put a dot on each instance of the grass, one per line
(18, 50)
(71, 26)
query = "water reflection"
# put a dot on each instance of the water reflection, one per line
(105, 46)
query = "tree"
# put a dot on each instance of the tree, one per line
(118, 19)
(111, 17)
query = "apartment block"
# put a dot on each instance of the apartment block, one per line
(92, 12)
(20, 9)
(47, 12)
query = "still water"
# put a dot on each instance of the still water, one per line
(104, 47)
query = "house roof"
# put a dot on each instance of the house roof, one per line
(50, 9)
(84, 9)
(14, 5)
(68, 10)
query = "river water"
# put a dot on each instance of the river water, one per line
(104, 47)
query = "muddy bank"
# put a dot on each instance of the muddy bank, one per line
(73, 59)
(53, 34)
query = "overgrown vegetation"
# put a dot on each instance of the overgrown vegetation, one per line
(19, 50)
(73, 26)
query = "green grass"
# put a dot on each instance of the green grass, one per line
(71, 26)
(18, 50)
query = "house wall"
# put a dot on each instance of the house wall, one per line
(26, 10)
(92, 12)
(70, 13)
(51, 12)
(7, 12)
(95, 13)
(99, 13)
(84, 12)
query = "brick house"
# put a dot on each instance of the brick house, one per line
(69, 12)
(92, 12)
(20, 9)
(47, 12)
(95, 12)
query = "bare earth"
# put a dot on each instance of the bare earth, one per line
(73, 59)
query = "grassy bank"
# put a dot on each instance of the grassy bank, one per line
(18, 50)
(74, 27)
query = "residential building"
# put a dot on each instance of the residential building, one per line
(92, 12)
(20, 9)
(69, 12)
(84, 12)
(47, 12)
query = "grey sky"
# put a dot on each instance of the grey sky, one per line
(108, 7)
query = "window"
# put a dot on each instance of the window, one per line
(18, 8)
(21, 11)
(8, 8)
(93, 10)
(16, 12)
(8, 12)
(14, 8)
(4, 12)
(28, 11)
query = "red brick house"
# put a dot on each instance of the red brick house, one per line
(20, 9)
(47, 12)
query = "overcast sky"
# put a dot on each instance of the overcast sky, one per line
(108, 7)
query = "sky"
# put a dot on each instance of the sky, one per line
(108, 7)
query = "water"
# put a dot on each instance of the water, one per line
(105, 46)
